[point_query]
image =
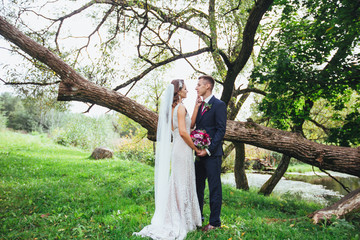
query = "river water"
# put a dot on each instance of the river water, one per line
(307, 186)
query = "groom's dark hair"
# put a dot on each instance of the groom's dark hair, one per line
(209, 79)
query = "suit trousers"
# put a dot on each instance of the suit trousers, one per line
(210, 168)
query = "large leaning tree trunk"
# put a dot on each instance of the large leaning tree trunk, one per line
(74, 87)
(345, 208)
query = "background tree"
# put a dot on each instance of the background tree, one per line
(311, 52)
(313, 59)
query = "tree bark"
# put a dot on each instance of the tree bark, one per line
(239, 168)
(339, 159)
(347, 206)
(74, 87)
(270, 184)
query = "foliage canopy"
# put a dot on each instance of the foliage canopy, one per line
(314, 56)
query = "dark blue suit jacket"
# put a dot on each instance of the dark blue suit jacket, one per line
(213, 121)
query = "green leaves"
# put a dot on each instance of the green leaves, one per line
(348, 133)
(309, 59)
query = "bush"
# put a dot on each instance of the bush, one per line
(82, 131)
(29, 113)
(18, 117)
(22, 120)
(147, 157)
(3, 120)
(136, 149)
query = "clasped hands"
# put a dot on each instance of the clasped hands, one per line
(201, 152)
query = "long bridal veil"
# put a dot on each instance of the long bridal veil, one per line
(176, 206)
(163, 155)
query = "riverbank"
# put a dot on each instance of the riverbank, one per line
(296, 189)
(49, 191)
(313, 186)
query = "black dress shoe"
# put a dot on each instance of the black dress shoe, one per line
(208, 228)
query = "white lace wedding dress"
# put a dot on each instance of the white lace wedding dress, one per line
(182, 206)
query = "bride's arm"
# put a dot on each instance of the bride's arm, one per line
(196, 109)
(181, 113)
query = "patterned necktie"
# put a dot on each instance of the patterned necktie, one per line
(202, 107)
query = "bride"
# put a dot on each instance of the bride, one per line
(177, 210)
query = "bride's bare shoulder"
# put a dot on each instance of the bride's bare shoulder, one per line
(181, 109)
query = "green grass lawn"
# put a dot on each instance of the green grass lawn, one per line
(52, 192)
(302, 168)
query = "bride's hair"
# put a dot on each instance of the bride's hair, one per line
(178, 85)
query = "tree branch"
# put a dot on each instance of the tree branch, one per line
(29, 83)
(173, 20)
(236, 106)
(347, 189)
(61, 19)
(157, 12)
(96, 30)
(238, 92)
(325, 129)
(117, 28)
(156, 65)
(193, 67)
(234, 9)
(251, 26)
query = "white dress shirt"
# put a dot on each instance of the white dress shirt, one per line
(207, 101)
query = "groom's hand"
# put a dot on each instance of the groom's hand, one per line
(202, 153)
(197, 151)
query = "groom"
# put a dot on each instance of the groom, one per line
(211, 117)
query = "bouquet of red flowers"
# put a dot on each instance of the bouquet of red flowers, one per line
(200, 138)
